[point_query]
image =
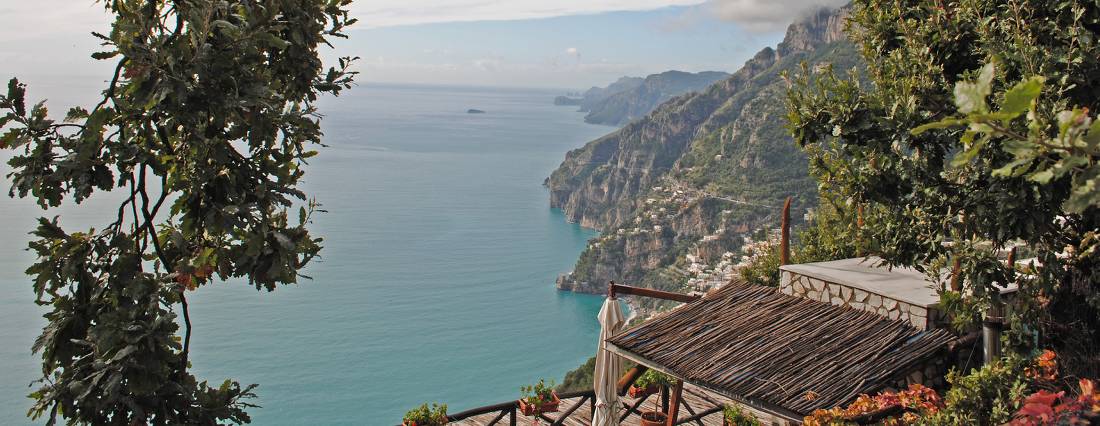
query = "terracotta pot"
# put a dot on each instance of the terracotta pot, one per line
(637, 392)
(547, 407)
(658, 417)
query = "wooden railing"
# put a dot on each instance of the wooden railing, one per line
(510, 409)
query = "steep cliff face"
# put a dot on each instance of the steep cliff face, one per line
(698, 174)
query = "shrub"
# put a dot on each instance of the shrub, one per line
(436, 415)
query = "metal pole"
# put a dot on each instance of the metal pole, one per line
(991, 332)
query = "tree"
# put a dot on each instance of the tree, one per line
(205, 127)
(995, 174)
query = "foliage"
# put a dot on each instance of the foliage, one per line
(653, 378)
(996, 394)
(737, 416)
(436, 415)
(830, 235)
(987, 396)
(1045, 407)
(538, 394)
(762, 267)
(980, 188)
(910, 403)
(204, 127)
(580, 378)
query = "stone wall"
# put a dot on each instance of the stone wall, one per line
(842, 295)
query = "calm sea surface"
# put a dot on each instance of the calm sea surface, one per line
(437, 277)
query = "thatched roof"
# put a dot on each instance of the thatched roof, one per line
(771, 350)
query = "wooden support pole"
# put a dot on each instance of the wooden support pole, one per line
(674, 404)
(859, 230)
(785, 229)
(664, 399)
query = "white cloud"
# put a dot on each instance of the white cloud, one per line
(572, 51)
(388, 13)
(766, 15)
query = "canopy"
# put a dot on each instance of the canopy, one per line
(609, 366)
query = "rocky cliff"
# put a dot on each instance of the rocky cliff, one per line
(677, 192)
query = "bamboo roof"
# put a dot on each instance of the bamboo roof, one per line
(786, 354)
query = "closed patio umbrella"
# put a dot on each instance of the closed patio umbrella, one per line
(609, 366)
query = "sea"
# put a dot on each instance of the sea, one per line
(436, 282)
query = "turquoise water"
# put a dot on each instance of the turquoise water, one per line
(437, 277)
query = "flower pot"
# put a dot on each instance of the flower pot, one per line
(653, 418)
(550, 406)
(424, 424)
(637, 392)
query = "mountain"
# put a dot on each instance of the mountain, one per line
(677, 192)
(594, 96)
(622, 107)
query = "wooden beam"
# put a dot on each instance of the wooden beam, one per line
(956, 270)
(674, 404)
(617, 289)
(785, 229)
(628, 379)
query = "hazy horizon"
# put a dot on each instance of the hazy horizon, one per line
(566, 45)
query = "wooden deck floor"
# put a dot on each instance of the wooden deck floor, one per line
(697, 400)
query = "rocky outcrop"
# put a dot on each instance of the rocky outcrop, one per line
(697, 174)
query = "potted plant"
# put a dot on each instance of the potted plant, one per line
(649, 384)
(734, 415)
(538, 398)
(654, 417)
(436, 415)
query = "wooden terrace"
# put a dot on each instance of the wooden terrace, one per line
(698, 407)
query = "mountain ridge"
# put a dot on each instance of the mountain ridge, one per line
(677, 192)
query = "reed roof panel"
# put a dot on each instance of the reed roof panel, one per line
(756, 344)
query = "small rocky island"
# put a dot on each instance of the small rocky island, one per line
(474, 111)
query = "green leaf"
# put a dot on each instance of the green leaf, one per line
(970, 96)
(1042, 176)
(942, 124)
(104, 55)
(965, 157)
(1092, 138)
(1019, 98)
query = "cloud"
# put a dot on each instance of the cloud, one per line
(388, 13)
(572, 51)
(765, 15)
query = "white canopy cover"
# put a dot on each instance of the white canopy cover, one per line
(609, 366)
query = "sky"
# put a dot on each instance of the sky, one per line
(567, 44)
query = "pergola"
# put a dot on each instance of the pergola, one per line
(774, 353)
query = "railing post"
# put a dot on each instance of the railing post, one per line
(512, 416)
(785, 234)
(674, 405)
